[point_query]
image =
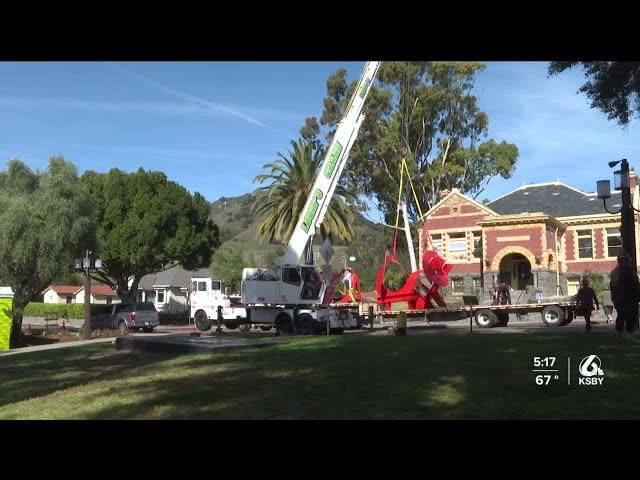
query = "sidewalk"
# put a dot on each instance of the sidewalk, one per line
(54, 346)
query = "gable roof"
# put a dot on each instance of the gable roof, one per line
(555, 199)
(455, 191)
(103, 290)
(171, 277)
(64, 289)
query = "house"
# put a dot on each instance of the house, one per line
(169, 290)
(60, 293)
(100, 294)
(545, 235)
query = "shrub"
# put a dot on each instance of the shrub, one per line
(63, 310)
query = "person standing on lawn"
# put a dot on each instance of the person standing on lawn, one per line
(607, 304)
(586, 298)
(626, 296)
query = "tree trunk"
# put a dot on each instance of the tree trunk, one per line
(17, 339)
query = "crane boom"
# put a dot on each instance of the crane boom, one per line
(331, 169)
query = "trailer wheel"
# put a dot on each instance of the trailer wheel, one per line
(485, 318)
(231, 325)
(265, 328)
(284, 324)
(202, 321)
(305, 324)
(568, 316)
(552, 316)
(245, 327)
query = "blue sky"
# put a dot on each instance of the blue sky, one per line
(212, 125)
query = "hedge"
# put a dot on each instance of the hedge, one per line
(63, 310)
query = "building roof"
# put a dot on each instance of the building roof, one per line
(555, 199)
(101, 290)
(64, 289)
(171, 277)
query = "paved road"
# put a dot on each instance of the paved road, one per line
(528, 324)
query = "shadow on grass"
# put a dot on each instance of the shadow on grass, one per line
(350, 377)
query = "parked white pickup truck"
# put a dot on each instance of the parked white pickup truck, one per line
(205, 296)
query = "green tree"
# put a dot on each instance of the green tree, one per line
(227, 266)
(612, 87)
(290, 181)
(44, 224)
(146, 223)
(426, 111)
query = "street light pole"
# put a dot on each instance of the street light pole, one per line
(86, 328)
(627, 227)
(627, 215)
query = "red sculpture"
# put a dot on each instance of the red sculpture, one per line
(420, 291)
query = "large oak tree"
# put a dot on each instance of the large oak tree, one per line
(145, 223)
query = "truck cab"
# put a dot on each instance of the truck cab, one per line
(205, 296)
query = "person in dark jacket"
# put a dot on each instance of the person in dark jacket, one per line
(586, 298)
(626, 296)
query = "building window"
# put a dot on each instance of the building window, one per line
(109, 300)
(457, 285)
(477, 245)
(585, 243)
(160, 296)
(614, 242)
(477, 283)
(436, 241)
(457, 247)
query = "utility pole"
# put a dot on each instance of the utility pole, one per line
(86, 328)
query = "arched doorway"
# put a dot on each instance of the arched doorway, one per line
(515, 271)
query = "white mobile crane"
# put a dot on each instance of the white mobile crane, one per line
(290, 296)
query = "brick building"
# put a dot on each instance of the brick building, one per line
(543, 235)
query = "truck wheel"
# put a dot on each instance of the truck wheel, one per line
(122, 327)
(552, 316)
(265, 328)
(231, 325)
(202, 321)
(485, 318)
(305, 324)
(568, 317)
(284, 324)
(245, 327)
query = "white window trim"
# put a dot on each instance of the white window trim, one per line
(606, 242)
(576, 253)
(164, 296)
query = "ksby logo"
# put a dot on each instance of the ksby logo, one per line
(591, 371)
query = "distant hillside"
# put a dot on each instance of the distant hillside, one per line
(238, 227)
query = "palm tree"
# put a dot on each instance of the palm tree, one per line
(290, 185)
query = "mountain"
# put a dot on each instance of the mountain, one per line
(238, 228)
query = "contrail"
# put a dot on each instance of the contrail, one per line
(192, 98)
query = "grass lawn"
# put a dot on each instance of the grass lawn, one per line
(482, 376)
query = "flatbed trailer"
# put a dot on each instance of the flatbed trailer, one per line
(553, 314)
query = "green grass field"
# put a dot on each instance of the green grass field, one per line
(348, 377)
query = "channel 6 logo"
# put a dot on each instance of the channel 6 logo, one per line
(591, 371)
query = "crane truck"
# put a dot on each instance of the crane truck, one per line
(290, 296)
